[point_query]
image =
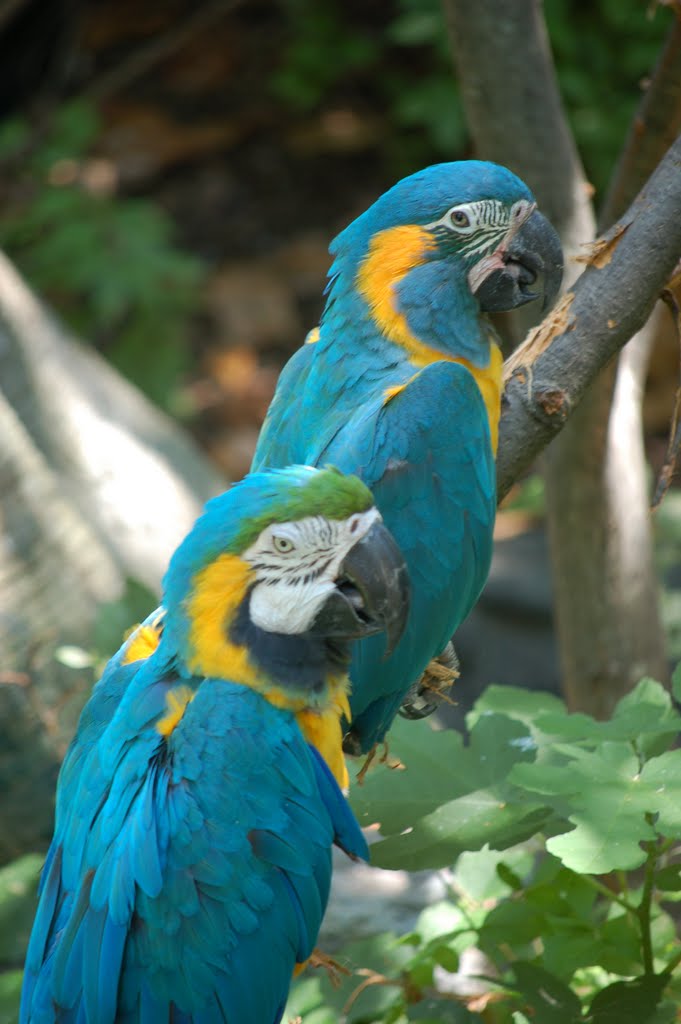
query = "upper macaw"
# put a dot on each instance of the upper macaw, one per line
(401, 384)
(191, 859)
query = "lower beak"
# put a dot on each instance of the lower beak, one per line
(371, 594)
(533, 268)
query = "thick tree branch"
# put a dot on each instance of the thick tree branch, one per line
(513, 105)
(550, 373)
(605, 589)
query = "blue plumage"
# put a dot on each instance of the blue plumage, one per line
(403, 387)
(179, 882)
(191, 861)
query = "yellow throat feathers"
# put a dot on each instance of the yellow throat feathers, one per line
(217, 592)
(392, 254)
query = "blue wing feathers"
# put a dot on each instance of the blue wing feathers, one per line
(347, 833)
(186, 865)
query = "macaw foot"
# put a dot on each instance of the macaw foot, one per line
(430, 690)
(333, 969)
(370, 758)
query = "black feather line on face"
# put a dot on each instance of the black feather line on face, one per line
(293, 661)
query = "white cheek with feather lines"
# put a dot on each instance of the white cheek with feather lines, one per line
(290, 606)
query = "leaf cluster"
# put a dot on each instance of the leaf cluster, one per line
(559, 836)
(601, 49)
(108, 263)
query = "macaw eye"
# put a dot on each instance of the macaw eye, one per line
(282, 544)
(459, 219)
(354, 523)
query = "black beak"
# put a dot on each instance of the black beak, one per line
(372, 592)
(533, 269)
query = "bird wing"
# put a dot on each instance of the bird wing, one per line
(190, 867)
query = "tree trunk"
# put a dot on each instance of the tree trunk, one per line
(605, 593)
(96, 486)
(611, 634)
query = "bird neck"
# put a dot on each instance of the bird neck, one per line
(422, 307)
(306, 674)
(303, 674)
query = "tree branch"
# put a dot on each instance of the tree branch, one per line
(550, 374)
(513, 105)
(605, 590)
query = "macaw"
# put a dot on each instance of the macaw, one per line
(401, 384)
(197, 805)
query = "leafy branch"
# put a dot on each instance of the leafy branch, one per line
(578, 933)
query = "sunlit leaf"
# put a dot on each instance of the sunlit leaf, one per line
(473, 803)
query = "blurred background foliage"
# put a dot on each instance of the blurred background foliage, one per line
(601, 49)
(107, 262)
(345, 83)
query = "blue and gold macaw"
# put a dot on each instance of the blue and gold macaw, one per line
(401, 384)
(197, 805)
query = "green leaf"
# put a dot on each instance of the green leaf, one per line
(523, 705)
(511, 923)
(438, 919)
(628, 1002)
(479, 874)
(420, 972)
(661, 776)
(577, 941)
(620, 944)
(509, 877)
(608, 801)
(551, 1001)
(397, 797)
(565, 953)
(646, 710)
(668, 879)
(446, 958)
(476, 803)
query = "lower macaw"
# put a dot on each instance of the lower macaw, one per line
(401, 384)
(196, 809)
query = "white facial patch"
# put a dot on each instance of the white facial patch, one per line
(296, 565)
(484, 228)
(515, 218)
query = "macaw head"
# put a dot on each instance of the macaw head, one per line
(279, 575)
(452, 240)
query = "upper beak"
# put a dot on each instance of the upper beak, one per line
(533, 267)
(371, 594)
